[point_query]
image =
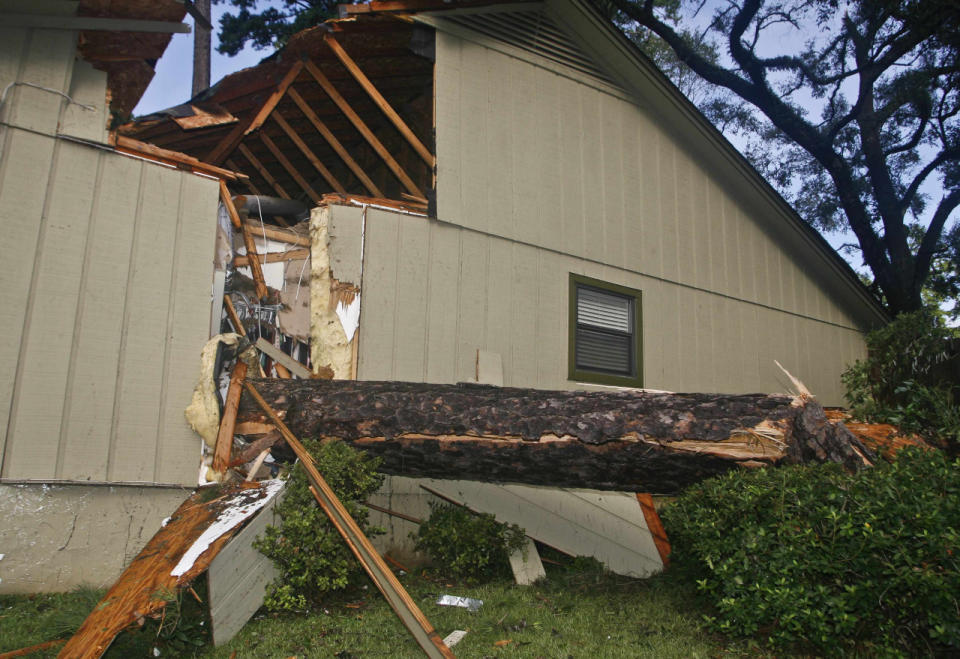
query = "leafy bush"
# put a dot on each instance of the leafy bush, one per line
(467, 545)
(812, 555)
(310, 555)
(909, 379)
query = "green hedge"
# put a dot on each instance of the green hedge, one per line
(305, 548)
(816, 558)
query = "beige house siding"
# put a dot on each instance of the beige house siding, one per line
(434, 293)
(546, 159)
(106, 291)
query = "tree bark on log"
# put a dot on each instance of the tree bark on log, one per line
(634, 441)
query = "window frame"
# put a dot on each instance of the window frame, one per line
(600, 377)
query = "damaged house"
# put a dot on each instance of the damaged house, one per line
(504, 193)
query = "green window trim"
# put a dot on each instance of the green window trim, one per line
(635, 379)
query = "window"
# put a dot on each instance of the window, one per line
(605, 333)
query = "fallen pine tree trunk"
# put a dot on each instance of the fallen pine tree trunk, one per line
(634, 441)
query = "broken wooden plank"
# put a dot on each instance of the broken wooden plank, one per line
(277, 355)
(255, 269)
(224, 443)
(334, 143)
(287, 165)
(273, 257)
(363, 129)
(140, 149)
(398, 598)
(379, 99)
(308, 153)
(526, 564)
(632, 441)
(264, 172)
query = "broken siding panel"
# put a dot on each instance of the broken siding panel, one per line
(188, 324)
(86, 439)
(38, 404)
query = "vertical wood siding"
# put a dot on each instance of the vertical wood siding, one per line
(434, 293)
(106, 286)
(526, 154)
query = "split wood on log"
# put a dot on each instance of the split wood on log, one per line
(634, 441)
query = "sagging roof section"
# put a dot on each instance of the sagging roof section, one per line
(346, 107)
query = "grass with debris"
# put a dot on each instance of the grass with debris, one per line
(576, 612)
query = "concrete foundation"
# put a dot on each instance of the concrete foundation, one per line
(57, 537)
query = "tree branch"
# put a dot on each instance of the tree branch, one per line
(931, 238)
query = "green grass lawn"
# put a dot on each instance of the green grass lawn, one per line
(578, 614)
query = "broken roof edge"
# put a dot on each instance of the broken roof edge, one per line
(410, 207)
(136, 148)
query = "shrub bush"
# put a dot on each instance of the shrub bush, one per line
(812, 555)
(909, 379)
(466, 545)
(310, 555)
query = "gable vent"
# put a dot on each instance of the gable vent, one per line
(534, 32)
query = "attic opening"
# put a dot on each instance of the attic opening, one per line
(346, 107)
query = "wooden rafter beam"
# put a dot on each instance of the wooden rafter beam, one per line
(334, 143)
(255, 269)
(362, 128)
(264, 172)
(226, 146)
(287, 165)
(274, 98)
(308, 153)
(379, 100)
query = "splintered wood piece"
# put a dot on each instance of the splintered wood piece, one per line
(656, 527)
(264, 172)
(363, 129)
(275, 97)
(150, 573)
(398, 598)
(221, 451)
(255, 467)
(255, 268)
(334, 143)
(380, 101)
(287, 165)
(308, 153)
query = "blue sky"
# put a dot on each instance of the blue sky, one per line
(171, 84)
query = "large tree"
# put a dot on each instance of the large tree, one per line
(265, 24)
(862, 102)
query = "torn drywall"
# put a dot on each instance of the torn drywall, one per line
(330, 344)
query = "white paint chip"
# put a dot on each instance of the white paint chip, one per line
(231, 516)
(349, 317)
